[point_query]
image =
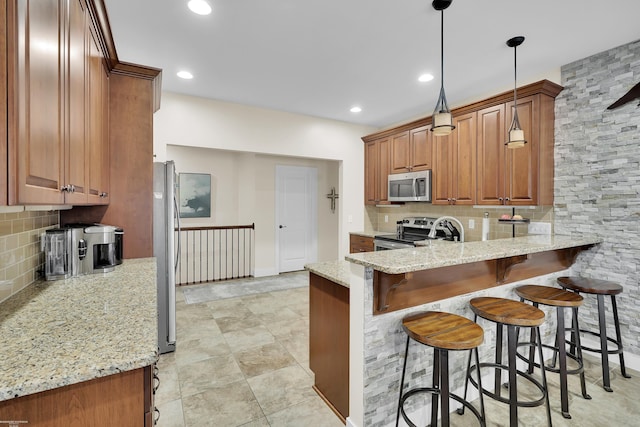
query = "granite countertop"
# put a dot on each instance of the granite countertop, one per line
(446, 254)
(369, 233)
(69, 331)
(336, 271)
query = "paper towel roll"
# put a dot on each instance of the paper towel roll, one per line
(485, 227)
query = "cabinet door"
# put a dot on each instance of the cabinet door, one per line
(36, 143)
(400, 153)
(441, 187)
(421, 145)
(97, 141)
(370, 168)
(522, 163)
(384, 169)
(491, 155)
(464, 160)
(76, 132)
(3, 106)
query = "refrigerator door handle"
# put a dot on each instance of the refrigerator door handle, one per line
(177, 216)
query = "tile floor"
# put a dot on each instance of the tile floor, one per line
(244, 361)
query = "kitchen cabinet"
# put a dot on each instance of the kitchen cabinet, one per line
(411, 150)
(49, 112)
(454, 164)
(522, 176)
(376, 170)
(359, 243)
(98, 130)
(124, 399)
(3, 106)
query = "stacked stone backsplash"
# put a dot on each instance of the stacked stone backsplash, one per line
(20, 255)
(597, 175)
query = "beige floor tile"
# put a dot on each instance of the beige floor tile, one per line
(259, 360)
(282, 388)
(228, 405)
(262, 422)
(189, 351)
(310, 413)
(209, 373)
(288, 329)
(247, 338)
(196, 329)
(227, 307)
(169, 387)
(242, 319)
(170, 414)
(298, 347)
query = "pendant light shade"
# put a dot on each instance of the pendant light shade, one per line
(516, 134)
(442, 118)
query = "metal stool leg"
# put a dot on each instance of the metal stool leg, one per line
(562, 356)
(497, 382)
(618, 336)
(578, 348)
(404, 369)
(544, 377)
(436, 385)
(512, 339)
(483, 420)
(444, 387)
(602, 323)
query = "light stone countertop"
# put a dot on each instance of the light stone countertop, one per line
(336, 271)
(369, 233)
(443, 254)
(69, 331)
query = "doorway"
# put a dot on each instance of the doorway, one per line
(296, 218)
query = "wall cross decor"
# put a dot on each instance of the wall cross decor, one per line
(333, 196)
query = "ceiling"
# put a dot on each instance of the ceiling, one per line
(321, 57)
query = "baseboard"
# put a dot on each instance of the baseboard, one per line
(264, 272)
(350, 423)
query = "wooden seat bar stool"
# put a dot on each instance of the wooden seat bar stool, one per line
(514, 315)
(600, 288)
(561, 299)
(443, 332)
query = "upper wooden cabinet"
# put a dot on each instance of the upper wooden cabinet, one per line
(376, 170)
(59, 99)
(472, 165)
(454, 164)
(522, 176)
(411, 150)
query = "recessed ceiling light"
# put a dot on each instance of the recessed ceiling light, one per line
(185, 75)
(355, 109)
(201, 7)
(425, 77)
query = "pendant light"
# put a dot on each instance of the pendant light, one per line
(442, 119)
(516, 134)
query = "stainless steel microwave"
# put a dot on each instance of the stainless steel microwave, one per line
(410, 187)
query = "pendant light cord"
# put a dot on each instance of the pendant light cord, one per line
(515, 88)
(441, 49)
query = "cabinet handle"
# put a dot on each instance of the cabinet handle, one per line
(506, 200)
(501, 200)
(104, 195)
(65, 188)
(73, 189)
(156, 415)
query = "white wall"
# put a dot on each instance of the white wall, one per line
(197, 122)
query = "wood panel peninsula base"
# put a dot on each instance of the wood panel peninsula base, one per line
(385, 286)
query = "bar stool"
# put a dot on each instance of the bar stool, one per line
(558, 298)
(601, 288)
(443, 332)
(514, 315)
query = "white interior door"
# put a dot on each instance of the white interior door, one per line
(296, 221)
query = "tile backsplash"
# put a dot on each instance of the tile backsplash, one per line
(375, 218)
(20, 255)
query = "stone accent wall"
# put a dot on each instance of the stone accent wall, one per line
(20, 255)
(597, 176)
(384, 346)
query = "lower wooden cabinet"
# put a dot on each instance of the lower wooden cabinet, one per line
(360, 244)
(124, 399)
(329, 342)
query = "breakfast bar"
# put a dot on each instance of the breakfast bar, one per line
(385, 286)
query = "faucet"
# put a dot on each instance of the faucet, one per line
(432, 233)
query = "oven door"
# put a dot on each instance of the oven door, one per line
(385, 245)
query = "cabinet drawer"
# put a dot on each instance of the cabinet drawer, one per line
(360, 244)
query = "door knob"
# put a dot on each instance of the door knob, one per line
(283, 226)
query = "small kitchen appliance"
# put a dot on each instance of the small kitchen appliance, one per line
(414, 229)
(56, 244)
(101, 249)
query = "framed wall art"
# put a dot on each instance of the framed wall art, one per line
(195, 195)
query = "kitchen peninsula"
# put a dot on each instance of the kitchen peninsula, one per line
(387, 285)
(81, 350)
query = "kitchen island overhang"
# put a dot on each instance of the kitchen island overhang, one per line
(376, 339)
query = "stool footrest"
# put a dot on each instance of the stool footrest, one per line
(618, 350)
(521, 403)
(433, 390)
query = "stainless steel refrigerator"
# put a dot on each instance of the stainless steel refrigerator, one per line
(165, 220)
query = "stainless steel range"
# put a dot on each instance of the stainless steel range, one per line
(413, 229)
